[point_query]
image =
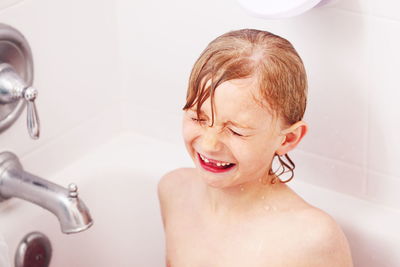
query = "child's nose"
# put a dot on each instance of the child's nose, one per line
(210, 141)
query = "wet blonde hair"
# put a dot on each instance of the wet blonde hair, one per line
(249, 53)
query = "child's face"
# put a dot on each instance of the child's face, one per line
(239, 147)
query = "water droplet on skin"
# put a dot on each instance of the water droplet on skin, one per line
(266, 207)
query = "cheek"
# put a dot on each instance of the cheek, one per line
(254, 154)
(189, 131)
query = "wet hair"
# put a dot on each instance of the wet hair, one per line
(249, 53)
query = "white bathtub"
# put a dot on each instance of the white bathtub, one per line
(118, 183)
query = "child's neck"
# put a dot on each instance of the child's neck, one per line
(242, 199)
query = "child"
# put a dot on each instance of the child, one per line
(244, 107)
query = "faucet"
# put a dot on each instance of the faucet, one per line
(16, 92)
(64, 203)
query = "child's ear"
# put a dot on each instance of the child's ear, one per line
(291, 137)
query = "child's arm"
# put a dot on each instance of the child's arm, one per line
(162, 197)
(167, 189)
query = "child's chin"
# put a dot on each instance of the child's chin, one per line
(215, 181)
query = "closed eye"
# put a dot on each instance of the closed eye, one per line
(235, 133)
(198, 120)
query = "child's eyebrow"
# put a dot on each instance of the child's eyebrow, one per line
(238, 125)
(201, 112)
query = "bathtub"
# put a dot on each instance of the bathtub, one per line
(118, 182)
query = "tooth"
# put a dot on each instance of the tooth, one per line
(206, 160)
(218, 164)
(223, 164)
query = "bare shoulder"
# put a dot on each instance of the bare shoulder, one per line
(324, 243)
(173, 183)
(174, 180)
(170, 190)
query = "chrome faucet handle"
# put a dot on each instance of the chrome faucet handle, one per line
(32, 118)
(12, 89)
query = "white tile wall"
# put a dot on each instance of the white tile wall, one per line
(350, 52)
(74, 46)
(386, 9)
(336, 175)
(165, 125)
(384, 119)
(384, 189)
(349, 49)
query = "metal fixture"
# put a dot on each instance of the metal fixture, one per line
(16, 77)
(33, 251)
(71, 212)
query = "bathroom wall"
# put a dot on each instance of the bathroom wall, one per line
(90, 57)
(74, 46)
(351, 56)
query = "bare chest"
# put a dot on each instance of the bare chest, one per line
(196, 241)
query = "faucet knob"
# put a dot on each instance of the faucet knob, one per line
(73, 190)
(12, 89)
(32, 119)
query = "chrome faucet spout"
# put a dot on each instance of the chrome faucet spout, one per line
(71, 212)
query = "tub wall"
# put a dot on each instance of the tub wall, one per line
(74, 48)
(350, 50)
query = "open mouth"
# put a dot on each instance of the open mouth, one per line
(214, 165)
